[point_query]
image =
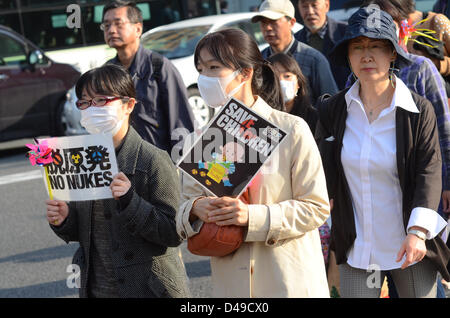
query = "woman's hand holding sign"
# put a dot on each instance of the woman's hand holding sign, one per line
(222, 211)
(57, 211)
(120, 185)
(229, 211)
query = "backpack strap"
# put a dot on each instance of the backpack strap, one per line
(157, 62)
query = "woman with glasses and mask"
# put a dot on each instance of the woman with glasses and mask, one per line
(381, 154)
(129, 244)
(284, 204)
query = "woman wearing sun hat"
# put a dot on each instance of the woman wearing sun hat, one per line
(381, 156)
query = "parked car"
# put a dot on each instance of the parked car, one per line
(32, 89)
(177, 42)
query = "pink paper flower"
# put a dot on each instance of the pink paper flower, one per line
(40, 154)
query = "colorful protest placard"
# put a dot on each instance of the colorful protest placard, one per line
(231, 150)
(82, 168)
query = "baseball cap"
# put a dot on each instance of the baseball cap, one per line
(274, 10)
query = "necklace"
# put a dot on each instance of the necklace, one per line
(376, 107)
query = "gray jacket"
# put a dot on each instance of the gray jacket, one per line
(144, 240)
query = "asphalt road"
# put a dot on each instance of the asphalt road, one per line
(33, 260)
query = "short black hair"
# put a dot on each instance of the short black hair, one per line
(109, 80)
(134, 14)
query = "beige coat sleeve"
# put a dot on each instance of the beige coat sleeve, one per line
(190, 191)
(309, 207)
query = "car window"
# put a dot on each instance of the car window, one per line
(255, 32)
(12, 52)
(175, 43)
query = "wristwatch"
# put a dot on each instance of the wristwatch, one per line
(419, 234)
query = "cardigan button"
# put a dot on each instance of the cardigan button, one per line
(115, 246)
(271, 241)
(129, 256)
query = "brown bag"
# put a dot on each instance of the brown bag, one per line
(215, 240)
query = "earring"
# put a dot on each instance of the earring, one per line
(391, 73)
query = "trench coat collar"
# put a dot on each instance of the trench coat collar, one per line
(128, 155)
(261, 107)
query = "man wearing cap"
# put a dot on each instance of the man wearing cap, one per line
(322, 33)
(276, 19)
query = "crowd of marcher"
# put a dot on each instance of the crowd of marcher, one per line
(362, 183)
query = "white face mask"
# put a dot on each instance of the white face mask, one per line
(102, 119)
(289, 90)
(212, 89)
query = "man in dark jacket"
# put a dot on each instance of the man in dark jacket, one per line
(276, 18)
(322, 33)
(162, 105)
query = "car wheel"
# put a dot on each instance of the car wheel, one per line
(201, 111)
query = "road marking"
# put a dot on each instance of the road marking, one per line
(20, 177)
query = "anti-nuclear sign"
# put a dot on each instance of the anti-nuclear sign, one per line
(83, 167)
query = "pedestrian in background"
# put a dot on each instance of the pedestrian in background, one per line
(281, 254)
(276, 19)
(294, 87)
(322, 33)
(442, 6)
(162, 105)
(384, 198)
(296, 100)
(128, 245)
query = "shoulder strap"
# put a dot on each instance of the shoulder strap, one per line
(157, 62)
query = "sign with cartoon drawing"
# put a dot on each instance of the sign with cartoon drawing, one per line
(231, 150)
(82, 167)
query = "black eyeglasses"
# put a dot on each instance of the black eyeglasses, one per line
(98, 101)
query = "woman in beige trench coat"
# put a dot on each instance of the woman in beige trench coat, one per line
(285, 203)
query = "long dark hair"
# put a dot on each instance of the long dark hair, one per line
(302, 100)
(398, 9)
(237, 50)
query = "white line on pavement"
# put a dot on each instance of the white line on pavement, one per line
(20, 177)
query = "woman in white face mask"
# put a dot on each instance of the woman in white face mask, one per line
(295, 89)
(281, 209)
(123, 240)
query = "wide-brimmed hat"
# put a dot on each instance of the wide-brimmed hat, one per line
(274, 10)
(373, 23)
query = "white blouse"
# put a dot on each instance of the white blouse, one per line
(370, 166)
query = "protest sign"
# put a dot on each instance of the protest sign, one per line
(82, 169)
(231, 150)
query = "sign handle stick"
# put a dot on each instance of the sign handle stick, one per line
(50, 194)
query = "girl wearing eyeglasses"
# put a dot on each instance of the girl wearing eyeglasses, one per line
(128, 245)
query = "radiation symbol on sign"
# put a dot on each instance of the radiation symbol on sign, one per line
(98, 155)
